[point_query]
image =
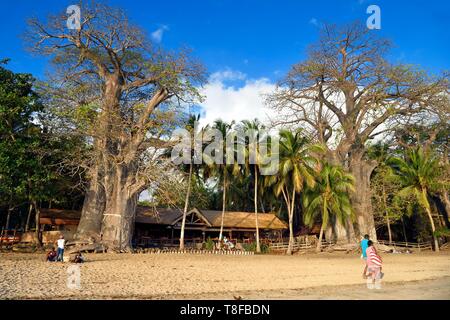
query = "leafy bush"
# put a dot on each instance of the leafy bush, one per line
(252, 247)
(442, 232)
(209, 244)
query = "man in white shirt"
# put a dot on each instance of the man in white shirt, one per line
(60, 251)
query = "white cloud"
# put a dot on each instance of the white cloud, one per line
(229, 102)
(157, 35)
(314, 22)
(227, 75)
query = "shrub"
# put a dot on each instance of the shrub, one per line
(442, 232)
(209, 244)
(252, 247)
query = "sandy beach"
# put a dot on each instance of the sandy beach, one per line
(194, 276)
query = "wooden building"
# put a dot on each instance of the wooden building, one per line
(161, 226)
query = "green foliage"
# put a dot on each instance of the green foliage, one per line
(442, 232)
(330, 196)
(209, 244)
(385, 186)
(19, 137)
(296, 167)
(30, 157)
(251, 247)
(418, 173)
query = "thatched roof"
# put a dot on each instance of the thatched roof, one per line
(169, 217)
(243, 220)
(162, 216)
(211, 218)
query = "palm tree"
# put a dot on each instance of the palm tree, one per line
(221, 170)
(190, 126)
(329, 197)
(254, 128)
(296, 169)
(418, 173)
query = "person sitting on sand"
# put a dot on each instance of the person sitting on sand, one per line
(364, 245)
(374, 267)
(78, 258)
(51, 256)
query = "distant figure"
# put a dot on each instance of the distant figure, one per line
(51, 256)
(374, 266)
(60, 252)
(364, 245)
(227, 243)
(78, 258)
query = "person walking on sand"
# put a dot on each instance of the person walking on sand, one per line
(364, 245)
(374, 266)
(60, 251)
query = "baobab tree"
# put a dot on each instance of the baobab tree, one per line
(346, 93)
(121, 92)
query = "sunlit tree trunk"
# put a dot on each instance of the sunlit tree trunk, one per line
(37, 234)
(428, 210)
(8, 217)
(319, 244)
(224, 197)
(291, 224)
(90, 224)
(404, 232)
(258, 246)
(119, 215)
(27, 225)
(186, 206)
(387, 215)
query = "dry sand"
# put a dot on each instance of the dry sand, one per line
(190, 276)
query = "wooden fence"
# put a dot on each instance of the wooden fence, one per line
(283, 246)
(419, 246)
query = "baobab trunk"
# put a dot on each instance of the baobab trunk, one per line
(119, 216)
(89, 228)
(361, 198)
(338, 233)
(90, 223)
(335, 231)
(446, 201)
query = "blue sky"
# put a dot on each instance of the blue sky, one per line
(249, 44)
(260, 38)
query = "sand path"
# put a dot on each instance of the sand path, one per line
(185, 276)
